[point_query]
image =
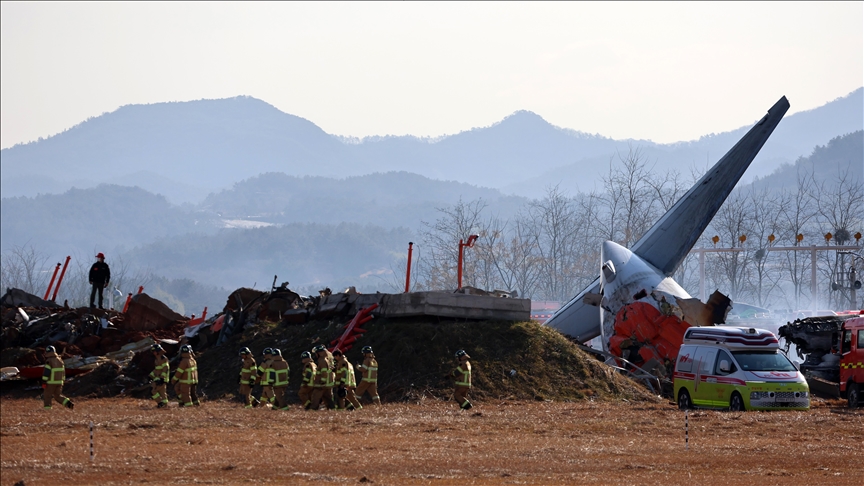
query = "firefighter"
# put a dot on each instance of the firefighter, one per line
(193, 389)
(278, 375)
(267, 396)
(160, 375)
(248, 372)
(324, 380)
(345, 383)
(307, 383)
(462, 375)
(183, 377)
(369, 371)
(52, 380)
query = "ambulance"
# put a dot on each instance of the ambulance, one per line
(738, 368)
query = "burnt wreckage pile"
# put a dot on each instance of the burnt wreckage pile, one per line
(106, 352)
(106, 341)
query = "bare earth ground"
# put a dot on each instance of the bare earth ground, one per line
(508, 442)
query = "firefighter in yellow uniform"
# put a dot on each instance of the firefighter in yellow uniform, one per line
(325, 380)
(193, 389)
(183, 376)
(345, 383)
(52, 380)
(279, 370)
(248, 372)
(369, 372)
(267, 395)
(160, 375)
(462, 375)
(307, 382)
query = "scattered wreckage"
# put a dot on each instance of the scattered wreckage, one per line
(87, 339)
(833, 351)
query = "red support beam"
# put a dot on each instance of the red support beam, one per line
(51, 283)
(60, 280)
(408, 271)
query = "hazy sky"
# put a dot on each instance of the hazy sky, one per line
(624, 70)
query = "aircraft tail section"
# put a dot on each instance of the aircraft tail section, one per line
(667, 243)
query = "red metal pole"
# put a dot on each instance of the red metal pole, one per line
(60, 280)
(51, 284)
(459, 265)
(141, 289)
(407, 273)
(126, 305)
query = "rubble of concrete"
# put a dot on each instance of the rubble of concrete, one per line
(246, 307)
(86, 339)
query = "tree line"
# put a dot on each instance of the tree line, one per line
(551, 249)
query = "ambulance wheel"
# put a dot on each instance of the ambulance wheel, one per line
(853, 391)
(684, 399)
(736, 403)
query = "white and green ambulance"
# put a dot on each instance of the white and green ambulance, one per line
(738, 368)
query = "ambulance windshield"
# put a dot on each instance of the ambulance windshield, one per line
(763, 361)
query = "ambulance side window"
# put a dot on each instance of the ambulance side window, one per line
(685, 360)
(706, 358)
(724, 356)
(847, 342)
(860, 344)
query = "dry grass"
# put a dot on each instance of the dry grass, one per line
(498, 442)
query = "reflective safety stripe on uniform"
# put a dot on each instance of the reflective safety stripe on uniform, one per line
(466, 377)
(280, 378)
(53, 376)
(371, 369)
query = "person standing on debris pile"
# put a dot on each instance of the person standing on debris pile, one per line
(248, 372)
(324, 381)
(279, 370)
(307, 383)
(160, 376)
(52, 380)
(100, 275)
(369, 371)
(183, 377)
(345, 383)
(267, 395)
(462, 375)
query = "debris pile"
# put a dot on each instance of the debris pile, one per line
(513, 359)
(86, 339)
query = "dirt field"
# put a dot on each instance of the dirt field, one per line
(508, 442)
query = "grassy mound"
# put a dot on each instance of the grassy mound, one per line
(522, 360)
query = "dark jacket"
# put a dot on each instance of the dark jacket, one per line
(100, 274)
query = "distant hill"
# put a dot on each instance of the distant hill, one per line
(107, 218)
(306, 254)
(185, 150)
(389, 200)
(795, 136)
(826, 162)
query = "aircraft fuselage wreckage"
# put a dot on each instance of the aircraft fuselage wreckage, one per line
(634, 300)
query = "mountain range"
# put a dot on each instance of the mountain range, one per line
(187, 150)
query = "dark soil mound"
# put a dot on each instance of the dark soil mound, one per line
(510, 360)
(104, 381)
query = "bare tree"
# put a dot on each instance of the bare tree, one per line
(440, 240)
(556, 227)
(730, 223)
(839, 210)
(763, 223)
(795, 215)
(25, 268)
